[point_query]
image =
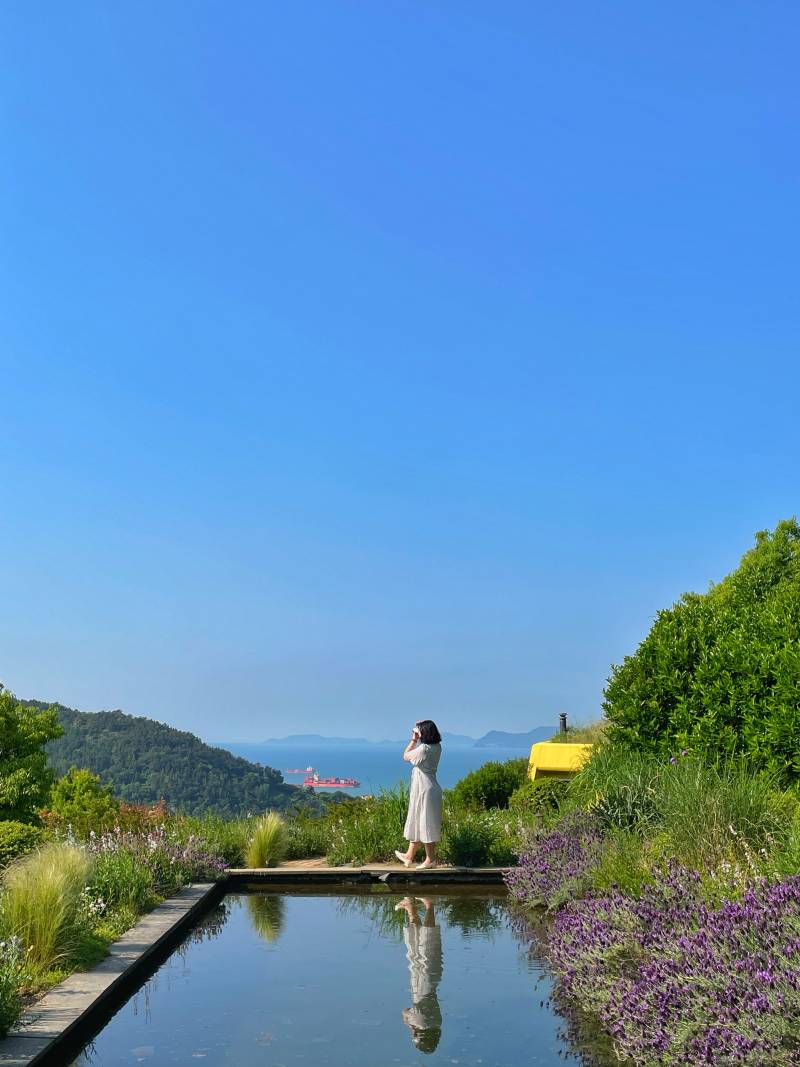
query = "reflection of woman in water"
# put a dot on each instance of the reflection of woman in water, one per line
(424, 951)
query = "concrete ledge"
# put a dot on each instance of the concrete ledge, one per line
(372, 874)
(54, 1029)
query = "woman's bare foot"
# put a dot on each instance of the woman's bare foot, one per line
(404, 858)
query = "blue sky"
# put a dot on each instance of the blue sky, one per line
(362, 362)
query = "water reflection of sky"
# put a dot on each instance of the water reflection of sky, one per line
(342, 981)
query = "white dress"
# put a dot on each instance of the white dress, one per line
(424, 954)
(424, 822)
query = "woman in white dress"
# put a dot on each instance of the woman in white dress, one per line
(424, 822)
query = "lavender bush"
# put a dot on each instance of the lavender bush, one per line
(555, 864)
(125, 858)
(673, 981)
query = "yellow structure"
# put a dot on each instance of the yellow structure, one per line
(549, 759)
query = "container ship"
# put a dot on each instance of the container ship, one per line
(337, 783)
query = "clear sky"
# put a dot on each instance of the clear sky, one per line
(367, 361)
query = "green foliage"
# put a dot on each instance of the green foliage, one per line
(306, 836)
(41, 902)
(148, 761)
(541, 797)
(491, 785)
(268, 841)
(719, 672)
(219, 837)
(367, 831)
(703, 814)
(475, 838)
(592, 733)
(81, 801)
(118, 879)
(24, 776)
(17, 838)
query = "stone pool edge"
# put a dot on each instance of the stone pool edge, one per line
(57, 1026)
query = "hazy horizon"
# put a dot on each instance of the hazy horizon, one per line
(369, 363)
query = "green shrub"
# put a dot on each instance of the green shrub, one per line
(717, 673)
(218, 836)
(41, 903)
(25, 777)
(541, 797)
(306, 836)
(478, 839)
(592, 733)
(81, 801)
(17, 838)
(120, 880)
(491, 785)
(14, 974)
(620, 787)
(268, 841)
(369, 830)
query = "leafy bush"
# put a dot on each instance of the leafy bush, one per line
(478, 839)
(268, 841)
(41, 902)
(540, 797)
(306, 836)
(367, 831)
(170, 862)
(25, 778)
(119, 879)
(217, 836)
(17, 838)
(592, 733)
(718, 672)
(81, 801)
(14, 973)
(491, 785)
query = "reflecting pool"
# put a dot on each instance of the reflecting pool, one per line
(364, 979)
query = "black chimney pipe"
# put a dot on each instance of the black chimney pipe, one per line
(562, 722)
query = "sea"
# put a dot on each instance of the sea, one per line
(376, 766)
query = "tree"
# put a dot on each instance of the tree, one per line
(25, 778)
(80, 800)
(719, 672)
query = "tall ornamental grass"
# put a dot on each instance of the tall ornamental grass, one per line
(368, 831)
(268, 841)
(41, 903)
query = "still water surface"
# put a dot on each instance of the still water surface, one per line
(354, 980)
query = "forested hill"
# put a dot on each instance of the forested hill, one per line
(147, 760)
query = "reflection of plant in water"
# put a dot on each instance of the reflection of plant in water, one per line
(471, 914)
(210, 925)
(266, 914)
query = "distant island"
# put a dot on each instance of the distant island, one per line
(492, 739)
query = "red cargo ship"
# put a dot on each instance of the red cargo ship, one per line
(338, 783)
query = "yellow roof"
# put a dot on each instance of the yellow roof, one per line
(554, 756)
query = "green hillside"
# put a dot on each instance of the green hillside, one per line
(147, 760)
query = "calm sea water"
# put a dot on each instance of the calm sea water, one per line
(375, 766)
(361, 980)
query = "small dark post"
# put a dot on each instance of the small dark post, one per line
(562, 722)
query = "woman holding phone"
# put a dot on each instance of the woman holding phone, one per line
(424, 822)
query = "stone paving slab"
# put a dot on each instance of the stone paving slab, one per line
(20, 1051)
(67, 1004)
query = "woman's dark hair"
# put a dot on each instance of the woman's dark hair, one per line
(428, 733)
